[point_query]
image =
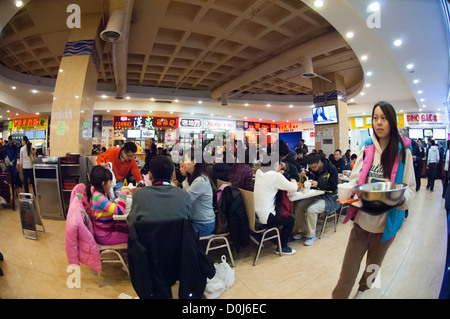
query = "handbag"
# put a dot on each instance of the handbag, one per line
(113, 181)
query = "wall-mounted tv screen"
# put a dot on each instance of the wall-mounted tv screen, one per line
(325, 115)
(415, 133)
(40, 135)
(439, 134)
(29, 134)
(428, 133)
(133, 133)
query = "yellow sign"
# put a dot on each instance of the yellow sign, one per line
(364, 122)
(33, 123)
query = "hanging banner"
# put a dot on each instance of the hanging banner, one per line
(33, 123)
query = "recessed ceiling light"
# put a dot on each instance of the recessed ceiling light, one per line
(352, 100)
(176, 100)
(171, 112)
(424, 105)
(229, 116)
(368, 85)
(350, 35)
(152, 99)
(268, 105)
(19, 3)
(374, 6)
(37, 113)
(439, 109)
(129, 111)
(103, 96)
(107, 111)
(128, 97)
(13, 87)
(318, 3)
(398, 42)
(61, 70)
(273, 120)
(401, 110)
(422, 100)
(419, 92)
(76, 96)
(7, 111)
(150, 111)
(364, 57)
(212, 114)
(416, 81)
(362, 93)
(246, 104)
(34, 91)
(192, 113)
(369, 73)
(245, 117)
(200, 102)
(291, 106)
(17, 114)
(82, 111)
(260, 119)
(410, 66)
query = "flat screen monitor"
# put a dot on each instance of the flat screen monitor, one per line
(325, 115)
(133, 133)
(40, 135)
(415, 133)
(439, 134)
(29, 134)
(428, 133)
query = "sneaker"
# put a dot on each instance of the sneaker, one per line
(286, 251)
(299, 236)
(310, 241)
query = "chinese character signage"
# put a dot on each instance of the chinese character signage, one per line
(191, 123)
(258, 126)
(144, 122)
(28, 124)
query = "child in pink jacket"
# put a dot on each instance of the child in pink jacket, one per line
(106, 230)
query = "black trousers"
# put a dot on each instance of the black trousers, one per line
(286, 230)
(418, 165)
(431, 175)
(28, 178)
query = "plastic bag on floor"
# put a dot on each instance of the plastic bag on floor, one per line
(223, 280)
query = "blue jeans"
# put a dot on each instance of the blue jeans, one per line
(204, 229)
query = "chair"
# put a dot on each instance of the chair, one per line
(334, 215)
(105, 251)
(221, 182)
(250, 208)
(212, 239)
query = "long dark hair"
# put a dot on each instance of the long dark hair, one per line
(28, 144)
(390, 152)
(199, 168)
(98, 175)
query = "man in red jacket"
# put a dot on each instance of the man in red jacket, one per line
(123, 161)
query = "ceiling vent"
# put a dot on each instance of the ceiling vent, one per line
(163, 101)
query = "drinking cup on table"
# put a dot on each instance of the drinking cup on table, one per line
(307, 185)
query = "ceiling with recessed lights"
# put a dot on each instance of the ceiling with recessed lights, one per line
(211, 50)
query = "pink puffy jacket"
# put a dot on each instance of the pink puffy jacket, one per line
(80, 243)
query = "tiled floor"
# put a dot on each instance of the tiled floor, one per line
(413, 267)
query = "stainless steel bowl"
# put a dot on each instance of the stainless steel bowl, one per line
(377, 198)
(346, 172)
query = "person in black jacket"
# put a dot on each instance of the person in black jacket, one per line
(338, 161)
(323, 176)
(160, 253)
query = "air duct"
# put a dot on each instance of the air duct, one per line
(117, 32)
(302, 53)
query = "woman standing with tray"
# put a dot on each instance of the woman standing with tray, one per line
(386, 158)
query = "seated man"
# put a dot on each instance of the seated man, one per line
(323, 176)
(338, 161)
(268, 180)
(161, 201)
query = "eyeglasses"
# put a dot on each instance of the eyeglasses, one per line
(128, 155)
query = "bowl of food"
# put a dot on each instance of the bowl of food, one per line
(346, 173)
(377, 198)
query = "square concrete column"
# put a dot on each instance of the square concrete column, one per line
(75, 90)
(330, 137)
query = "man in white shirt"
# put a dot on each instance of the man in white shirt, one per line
(268, 181)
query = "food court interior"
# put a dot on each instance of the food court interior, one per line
(80, 73)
